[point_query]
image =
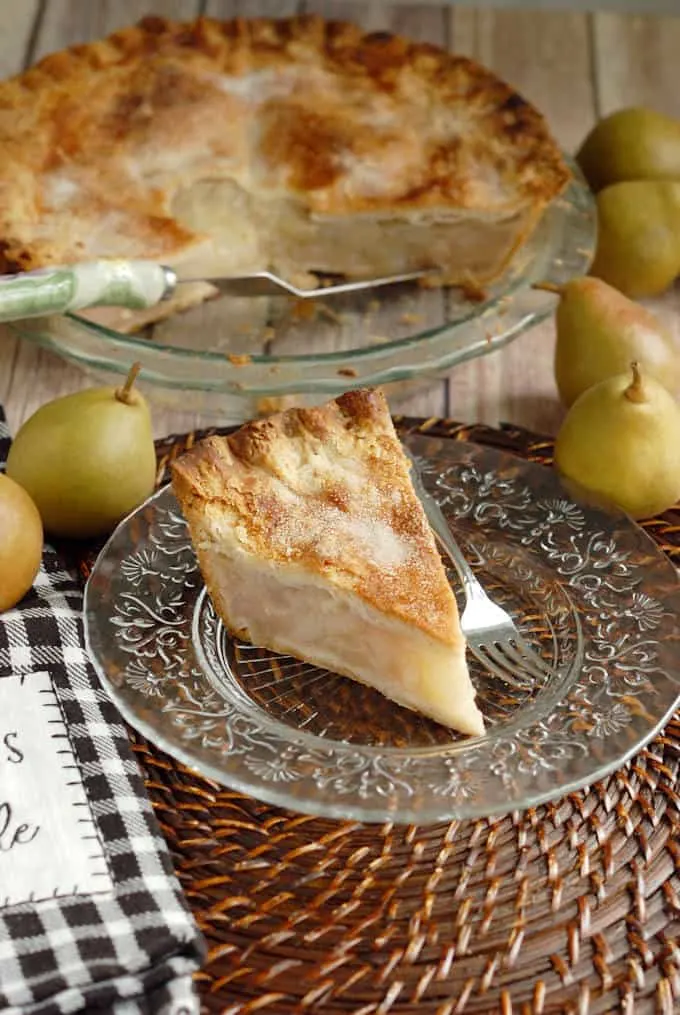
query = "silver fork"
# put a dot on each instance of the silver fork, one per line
(490, 631)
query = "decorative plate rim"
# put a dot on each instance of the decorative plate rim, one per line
(383, 800)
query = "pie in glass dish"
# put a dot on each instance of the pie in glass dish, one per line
(312, 542)
(299, 145)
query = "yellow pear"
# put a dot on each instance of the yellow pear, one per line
(21, 542)
(638, 242)
(631, 144)
(600, 331)
(621, 441)
(86, 459)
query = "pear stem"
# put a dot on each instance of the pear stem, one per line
(635, 391)
(548, 287)
(123, 394)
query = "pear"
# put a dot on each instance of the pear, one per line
(638, 242)
(621, 441)
(600, 331)
(86, 459)
(21, 542)
(631, 144)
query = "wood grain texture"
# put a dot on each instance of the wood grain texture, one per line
(17, 23)
(637, 61)
(69, 21)
(251, 8)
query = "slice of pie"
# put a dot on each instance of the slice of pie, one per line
(300, 145)
(313, 543)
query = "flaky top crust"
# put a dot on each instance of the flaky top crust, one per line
(326, 489)
(345, 122)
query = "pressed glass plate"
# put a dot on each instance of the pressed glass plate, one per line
(588, 588)
(240, 358)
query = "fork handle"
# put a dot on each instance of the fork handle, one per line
(133, 284)
(471, 587)
(441, 529)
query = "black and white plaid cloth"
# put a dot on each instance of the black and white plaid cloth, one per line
(126, 951)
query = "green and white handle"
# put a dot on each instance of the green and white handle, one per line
(133, 284)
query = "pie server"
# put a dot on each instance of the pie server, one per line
(141, 284)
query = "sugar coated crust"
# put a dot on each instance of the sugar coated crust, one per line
(328, 490)
(98, 139)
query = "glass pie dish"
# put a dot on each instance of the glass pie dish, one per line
(238, 358)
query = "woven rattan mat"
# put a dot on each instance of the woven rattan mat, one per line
(569, 907)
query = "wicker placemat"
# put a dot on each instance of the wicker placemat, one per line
(570, 907)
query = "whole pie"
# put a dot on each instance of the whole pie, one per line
(299, 145)
(312, 542)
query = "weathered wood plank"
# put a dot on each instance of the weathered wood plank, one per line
(251, 8)
(636, 61)
(16, 29)
(70, 21)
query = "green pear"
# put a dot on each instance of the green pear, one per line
(621, 441)
(631, 144)
(87, 459)
(600, 331)
(21, 542)
(638, 242)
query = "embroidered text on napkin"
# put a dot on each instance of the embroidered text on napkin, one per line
(49, 845)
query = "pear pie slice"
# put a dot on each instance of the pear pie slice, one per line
(299, 145)
(312, 542)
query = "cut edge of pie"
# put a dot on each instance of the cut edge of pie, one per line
(299, 145)
(312, 542)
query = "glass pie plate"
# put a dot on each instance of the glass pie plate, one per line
(239, 358)
(587, 587)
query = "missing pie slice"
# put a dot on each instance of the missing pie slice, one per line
(299, 145)
(312, 542)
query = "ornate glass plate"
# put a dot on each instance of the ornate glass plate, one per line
(588, 588)
(241, 358)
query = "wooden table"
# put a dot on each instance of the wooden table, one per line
(574, 66)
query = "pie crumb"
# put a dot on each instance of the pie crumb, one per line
(473, 292)
(303, 310)
(331, 314)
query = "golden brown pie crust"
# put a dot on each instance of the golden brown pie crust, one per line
(97, 139)
(272, 482)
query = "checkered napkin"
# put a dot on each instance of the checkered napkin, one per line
(132, 948)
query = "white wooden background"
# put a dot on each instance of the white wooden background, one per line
(574, 66)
